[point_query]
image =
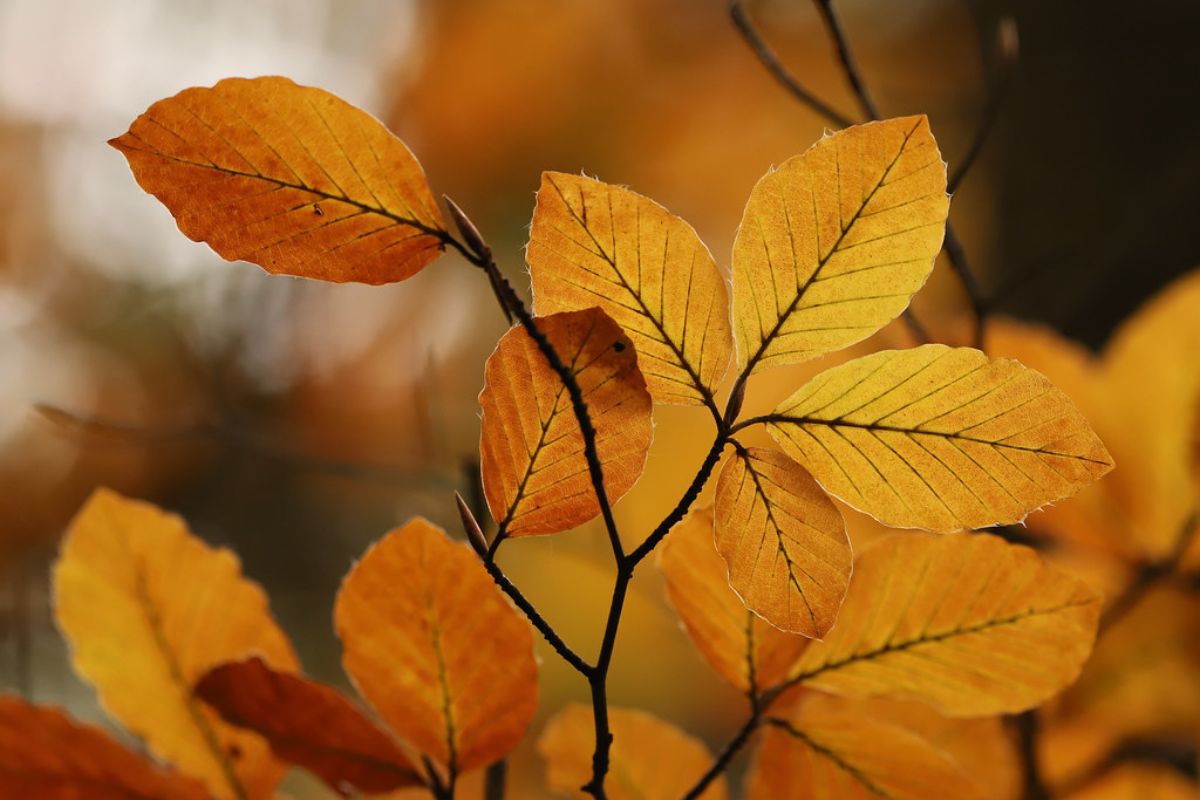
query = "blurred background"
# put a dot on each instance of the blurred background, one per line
(296, 422)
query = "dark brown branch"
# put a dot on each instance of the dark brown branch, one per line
(721, 762)
(1151, 574)
(1025, 727)
(1006, 50)
(846, 58)
(737, 11)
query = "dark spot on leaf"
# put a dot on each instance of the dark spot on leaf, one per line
(235, 752)
(317, 210)
(619, 347)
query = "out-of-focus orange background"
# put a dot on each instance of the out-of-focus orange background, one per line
(296, 421)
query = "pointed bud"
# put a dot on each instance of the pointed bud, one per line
(474, 532)
(467, 228)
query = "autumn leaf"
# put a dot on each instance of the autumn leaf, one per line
(834, 243)
(1138, 782)
(288, 177)
(783, 541)
(535, 475)
(44, 755)
(595, 244)
(746, 651)
(147, 609)
(310, 725)
(939, 438)
(823, 751)
(968, 623)
(435, 648)
(650, 759)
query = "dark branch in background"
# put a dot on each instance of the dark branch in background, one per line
(1004, 62)
(846, 58)
(1151, 574)
(1025, 729)
(1180, 756)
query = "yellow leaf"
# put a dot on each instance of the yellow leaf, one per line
(595, 244)
(783, 541)
(939, 438)
(288, 177)
(1138, 782)
(148, 609)
(436, 649)
(535, 475)
(650, 759)
(822, 751)
(834, 243)
(744, 649)
(44, 755)
(968, 623)
(1154, 386)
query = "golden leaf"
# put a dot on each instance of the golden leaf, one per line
(147, 609)
(939, 438)
(535, 475)
(783, 541)
(823, 751)
(650, 759)
(308, 724)
(968, 623)
(595, 244)
(436, 649)
(44, 755)
(834, 243)
(288, 177)
(745, 650)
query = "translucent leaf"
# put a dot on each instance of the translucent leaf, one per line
(288, 177)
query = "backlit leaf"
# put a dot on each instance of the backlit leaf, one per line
(834, 243)
(308, 724)
(595, 244)
(288, 177)
(821, 751)
(44, 755)
(436, 649)
(650, 759)
(783, 541)
(939, 438)
(535, 476)
(148, 609)
(968, 623)
(745, 650)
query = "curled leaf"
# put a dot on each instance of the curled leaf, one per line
(535, 474)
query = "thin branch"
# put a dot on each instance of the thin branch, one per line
(846, 58)
(1006, 53)
(770, 60)
(731, 749)
(1026, 728)
(1151, 574)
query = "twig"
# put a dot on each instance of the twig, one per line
(1151, 574)
(846, 58)
(1007, 51)
(731, 749)
(1026, 728)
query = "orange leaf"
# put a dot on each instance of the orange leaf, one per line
(308, 724)
(44, 755)
(967, 622)
(650, 759)
(288, 177)
(535, 475)
(436, 649)
(744, 649)
(147, 609)
(824, 751)
(783, 540)
(596, 244)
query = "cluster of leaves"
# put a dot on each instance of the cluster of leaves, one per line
(632, 312)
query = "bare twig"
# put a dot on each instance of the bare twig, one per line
(1004, 61)
(846, 58)
(1151, 574)
(1025, 727)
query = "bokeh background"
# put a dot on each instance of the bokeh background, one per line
(296, 422)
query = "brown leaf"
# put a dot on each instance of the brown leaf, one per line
(45, 755)
(147, 609)
(310, 725)
(288, 177)
(535, 475)
(436, 649)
